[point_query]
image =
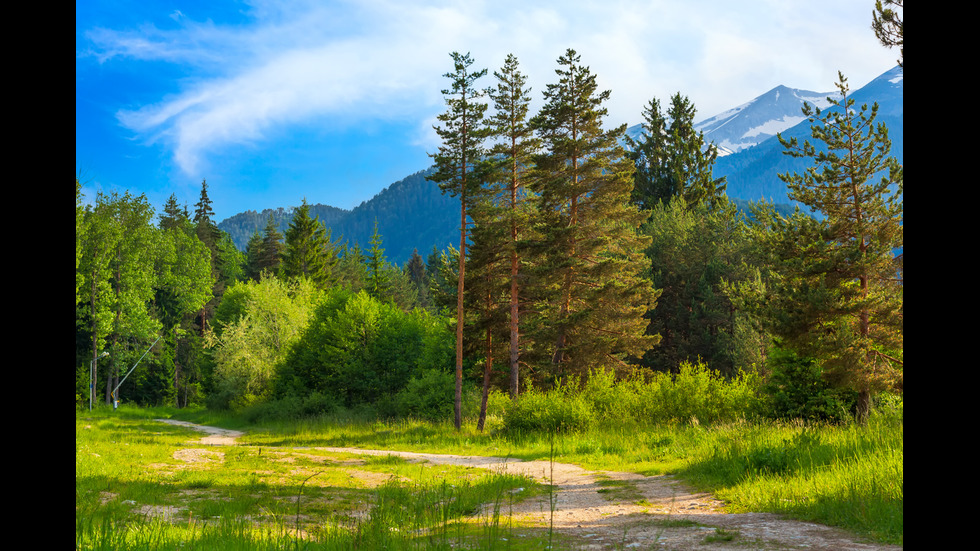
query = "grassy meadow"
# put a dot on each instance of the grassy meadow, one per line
(139, 485)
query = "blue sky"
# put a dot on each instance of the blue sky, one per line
(332, 101)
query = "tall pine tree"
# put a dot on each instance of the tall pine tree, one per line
(592, 252)
(463, 133)
(516, 143)
(308, 251)
(839, 296)
(378, 278)
(672, 158)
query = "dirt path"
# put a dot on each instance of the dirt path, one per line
(655, 512)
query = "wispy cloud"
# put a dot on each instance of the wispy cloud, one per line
(291, 63)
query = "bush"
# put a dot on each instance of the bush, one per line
(428, 395)
(797, 390)
(291, 408)
(560, 410)
(695, 394)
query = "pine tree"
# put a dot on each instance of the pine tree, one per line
(252, 252)
(172, 216)
(592, 252)
(308, 250)
(418, 274)
(516, 145)
(207, 230)
(888, 26)
(839, 288)
(652, 183)
(463, 133)
(695, 254)
(691, 159)
(487, 287)
(351, 269)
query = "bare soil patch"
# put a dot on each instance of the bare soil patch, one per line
(656, 511)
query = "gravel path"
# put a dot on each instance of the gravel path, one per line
(660, 512)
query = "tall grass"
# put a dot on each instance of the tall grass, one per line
(132, 492)
(695, 425)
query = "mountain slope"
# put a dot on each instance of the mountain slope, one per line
(752, 173)
(411, 213)
(414, 213)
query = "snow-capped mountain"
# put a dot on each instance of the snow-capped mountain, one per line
(753, 173)
(780, 109)
(756, 121)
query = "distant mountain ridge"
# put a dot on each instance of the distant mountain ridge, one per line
(413, 213)
(753, 173)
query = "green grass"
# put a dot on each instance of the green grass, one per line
(848, 476)
(141, 484)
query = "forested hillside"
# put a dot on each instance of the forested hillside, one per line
(411, 213)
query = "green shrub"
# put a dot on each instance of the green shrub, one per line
(427, 395)
(695, 394)
(797, 390)
(559, 410)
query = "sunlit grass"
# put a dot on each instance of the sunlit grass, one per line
(147, 485)
(844, 475)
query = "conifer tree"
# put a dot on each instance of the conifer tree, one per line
(351, 269)
(592, 252)
(463, 133)
(252, 251)
(308, 250)
(271, 249)
(888, 26)
(173, 216)
(418, 275)
(487, 287)
(672, 158)
(837, 294)
(378, 279)
(516, 143)
(207, 230)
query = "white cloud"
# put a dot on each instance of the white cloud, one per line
(294, 63)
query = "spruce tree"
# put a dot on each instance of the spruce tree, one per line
(271, 249)
(308, 250)
(418, 275)
(351, 269)
(672, 158)
(207, 230)
(462, 131)
(173, 216)
(378, 279)
(838, 292)
(591, 250)
(652, 183)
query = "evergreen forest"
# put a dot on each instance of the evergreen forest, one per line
(583, 256)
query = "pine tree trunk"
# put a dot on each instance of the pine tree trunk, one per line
(514, 264)
(458, 401)
(863, 406)
(486, 379)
